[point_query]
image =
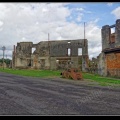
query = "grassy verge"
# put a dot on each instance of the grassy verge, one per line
(33, 73)
(104, 81)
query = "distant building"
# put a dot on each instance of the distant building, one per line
(53, 55)
(1, 65)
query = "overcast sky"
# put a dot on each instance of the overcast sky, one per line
(33, 21)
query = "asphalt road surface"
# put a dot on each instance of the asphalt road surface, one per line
(37, 96)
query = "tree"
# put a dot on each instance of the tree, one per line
(7, 61)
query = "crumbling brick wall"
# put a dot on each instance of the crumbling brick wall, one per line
(110, 50)
(113, 64)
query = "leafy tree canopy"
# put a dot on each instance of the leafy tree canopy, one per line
(7, 61)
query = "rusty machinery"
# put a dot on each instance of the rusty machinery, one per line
(72, 73)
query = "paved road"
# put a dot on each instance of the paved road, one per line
(35, 96)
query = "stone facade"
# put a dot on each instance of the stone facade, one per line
(111, 40)
(113, 64)
(109, 59)
(58, 54)
(107, 62)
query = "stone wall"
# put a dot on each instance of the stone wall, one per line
(113, 64)
(111, 40)
(101, 64)
(48, 54)
(117, 33)
(109, 59)
(106, 31)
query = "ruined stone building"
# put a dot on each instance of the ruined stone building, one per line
(109, 58)
(93, 66)
(53, 55)
(61, 54)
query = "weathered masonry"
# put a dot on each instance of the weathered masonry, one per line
(59, 54)
(109, 59)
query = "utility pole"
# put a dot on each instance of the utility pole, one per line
(48, 44)
(49, 50)
(3, 48)
(84, 33)
(84, 54)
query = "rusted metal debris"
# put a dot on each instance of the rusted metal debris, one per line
(72, 73)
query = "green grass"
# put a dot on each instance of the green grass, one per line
(33, 73)
(101, 80)
(104, 81)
